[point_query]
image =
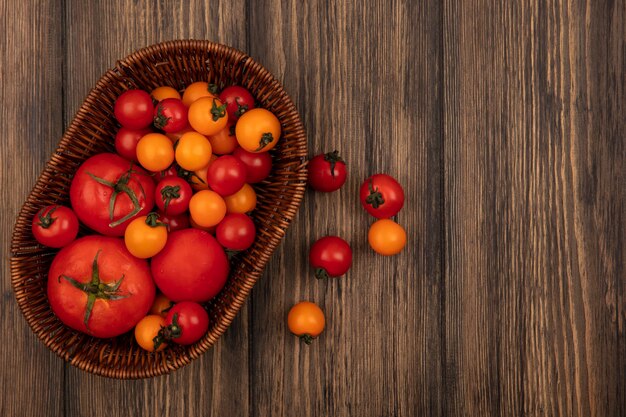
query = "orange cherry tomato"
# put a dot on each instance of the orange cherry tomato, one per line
(242, 201)
(193, 151)
(206, 229)
(386, 237)
(174, 136)
(207, 115)
(155, 152)
(145, 236)
(207, 208)
(198, 179)
(161, 305)
(224, 142)
(306, 320)
(147, 329)
(196, 90)
(258, 130)
(163, 92)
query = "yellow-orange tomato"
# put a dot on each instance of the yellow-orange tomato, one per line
(193, 151)
(161, 305)
(145, 236)
(224, 141)
(258, 130)
(195, 91)
(147, 329)
(155, 152)
(207, 208)
(207, 115)
(386, 237)
(242, 201)
(306, 320)
(206, 229)
(163, 92)
(198, 179)
(174, 136)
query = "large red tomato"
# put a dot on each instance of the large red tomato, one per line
(191, 267)
(108, 192)
(97, 287)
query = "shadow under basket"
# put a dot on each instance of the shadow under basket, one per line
(177, 64)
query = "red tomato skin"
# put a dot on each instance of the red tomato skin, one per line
(170, 115)
(331, 253)
(234, 97)
(236, 232)
(126, 142)
(178, 205)
(258, 165)
(90, 199)
(192, 319)
(108, 318)
(226, 175)
(321, 178)
(61, 232)
(391, 192)
(134, 109)
(191, 267)
(174, 223)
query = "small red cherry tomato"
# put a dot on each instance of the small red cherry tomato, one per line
(170, 115)
(382, 196)
(126, 142)
(174, 223)
(55, 226)
(186, 323)
(134, 109)
(236, 232)
(226, 175)
(172, 195)
(258, 165)
(327, 172)
(331, 256)
(238, 100)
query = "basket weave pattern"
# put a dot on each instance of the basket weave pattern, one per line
(176, 63)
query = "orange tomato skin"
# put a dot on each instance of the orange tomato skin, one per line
(243, 201)
(306, 320)
(196, 90)
(155, 152)
(142, 240)
(193, 151)
(258, 130)
(386, 237)
(198, 180)
(161, 303)
(207, 115)
(163, 92)
(223, 142)
(147, 329)
(207, 208)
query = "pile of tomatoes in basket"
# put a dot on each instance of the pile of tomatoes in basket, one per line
(166, 212)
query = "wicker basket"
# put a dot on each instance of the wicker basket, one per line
(176, 63)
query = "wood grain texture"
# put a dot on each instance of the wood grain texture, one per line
(503, 121)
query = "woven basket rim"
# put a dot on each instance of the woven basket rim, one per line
(18, 254)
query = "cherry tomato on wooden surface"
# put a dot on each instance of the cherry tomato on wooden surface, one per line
(170, 115)
(258, 165)
(386, 237)
(163, 92)
(193, 151)
(243, 201)
(197, 90)
(236, 232)
(258, 130)
(207, 208)
(97, 287)
(224, 141)
(107, 192)
(327, 172)
(192, 266)
(161, 305)
(147, 333)
(186, 323)
(172, 195)
(226, 175)
(145, 236)
(306, 320)
(155, 152)
(331, 256)
(238, 100)
(133, 109)
(382, 196)
(55, 226)
(126, 141)
(208, 116)
(174, 223)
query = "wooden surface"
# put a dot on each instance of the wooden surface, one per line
(505, 123)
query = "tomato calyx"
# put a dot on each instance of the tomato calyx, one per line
(332, 157)
(320, 273)
(266, 139)
(119, 187)
(96, 289)
(47, 220)
(218, 111)
(213, 88)
(241, 109)
(152, 220)
(161, 120)
(307, 338)
(167, 333)
(375, 198)
(169, 193)
(188, 175)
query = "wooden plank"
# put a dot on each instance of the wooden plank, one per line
(31, 382)
(534, 98)
(98, 34)
(365, 78)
